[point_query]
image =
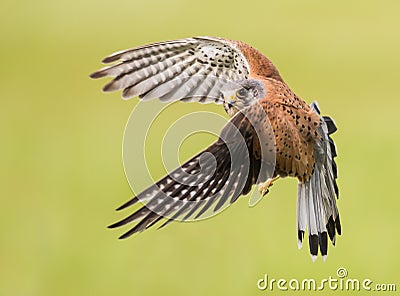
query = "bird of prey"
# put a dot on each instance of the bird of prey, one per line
(267, 118)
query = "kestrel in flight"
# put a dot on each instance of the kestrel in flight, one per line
(267, 118)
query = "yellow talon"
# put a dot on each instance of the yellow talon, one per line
(263, 188)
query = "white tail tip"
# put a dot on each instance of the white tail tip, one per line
(313, 258)
(299, 244)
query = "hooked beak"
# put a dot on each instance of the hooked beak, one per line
(231, 100)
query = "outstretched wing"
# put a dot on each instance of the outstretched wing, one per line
(212, 179)
(192, 69)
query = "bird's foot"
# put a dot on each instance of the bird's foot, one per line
(263, 188)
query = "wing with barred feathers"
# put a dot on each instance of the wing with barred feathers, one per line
(212, 179)
(191, 69)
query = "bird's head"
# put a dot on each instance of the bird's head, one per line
(240, 94)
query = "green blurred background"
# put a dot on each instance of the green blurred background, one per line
(62, 172)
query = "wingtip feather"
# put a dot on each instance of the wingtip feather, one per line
(111, 58)
(129, 203)
(97, 74)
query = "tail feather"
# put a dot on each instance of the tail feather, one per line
(330, 124)
(316, 206)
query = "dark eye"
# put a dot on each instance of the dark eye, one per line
(242, 93)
